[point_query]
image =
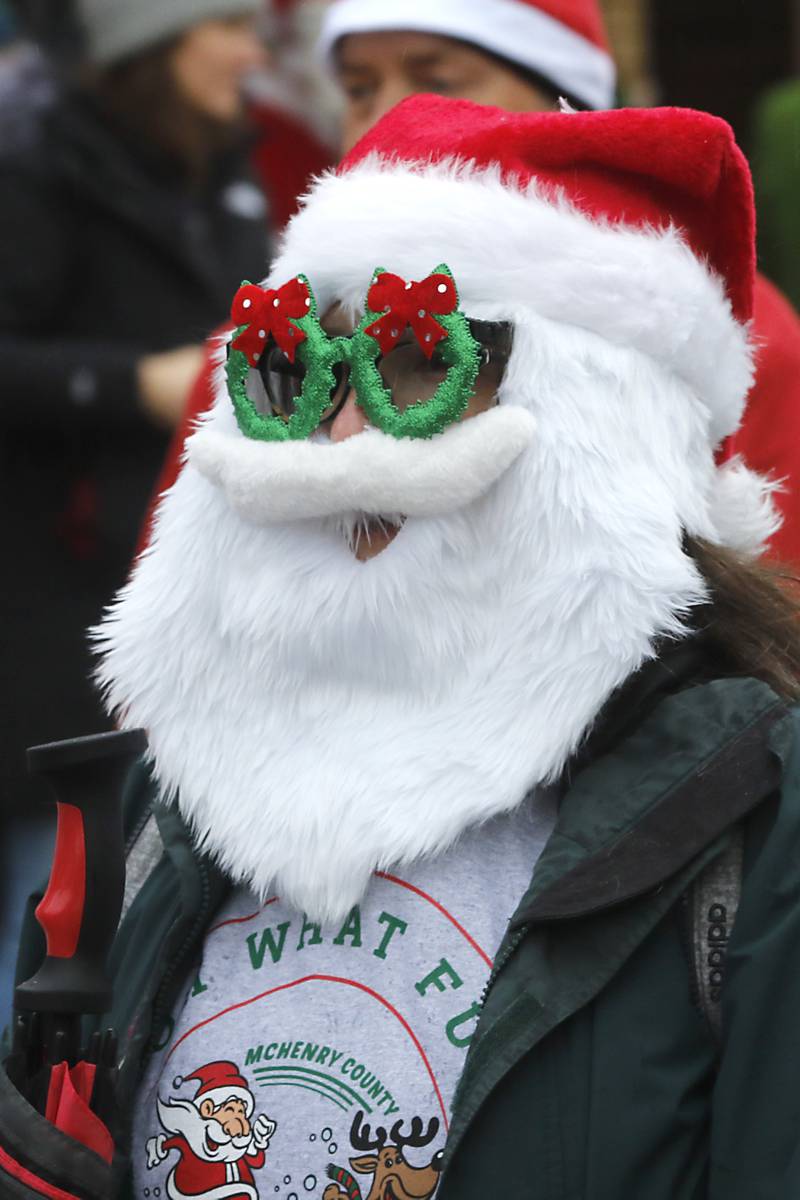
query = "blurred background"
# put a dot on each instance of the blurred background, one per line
(150, 152)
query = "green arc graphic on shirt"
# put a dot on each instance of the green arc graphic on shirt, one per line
(316, 1081)
(306, 1088)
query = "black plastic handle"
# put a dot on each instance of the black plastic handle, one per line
(80, 910)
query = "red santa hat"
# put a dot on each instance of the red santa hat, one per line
(220, 1082)
(637, 225)
(564, 41)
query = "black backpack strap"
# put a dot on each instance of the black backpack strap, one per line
(712, 902)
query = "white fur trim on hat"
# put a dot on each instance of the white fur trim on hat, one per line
(514, 251)
(519, 32)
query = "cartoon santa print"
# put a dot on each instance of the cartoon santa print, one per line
(218, 1142)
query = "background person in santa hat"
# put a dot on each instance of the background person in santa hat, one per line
(524, 55)
(473, 820)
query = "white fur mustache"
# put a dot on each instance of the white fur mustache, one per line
(371, 472)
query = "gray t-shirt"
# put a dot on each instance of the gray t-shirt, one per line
(350, 1037)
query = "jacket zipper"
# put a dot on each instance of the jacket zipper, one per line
(160, 1007)
(514, 941)
(501, 962)
(160, 1010)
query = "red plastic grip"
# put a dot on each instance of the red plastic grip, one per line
(60, 911)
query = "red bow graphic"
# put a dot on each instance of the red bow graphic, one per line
(266, 314)
(402, 304)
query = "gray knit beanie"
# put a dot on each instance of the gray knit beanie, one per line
(116, 28)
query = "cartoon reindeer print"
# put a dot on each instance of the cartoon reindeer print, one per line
(393, 1177)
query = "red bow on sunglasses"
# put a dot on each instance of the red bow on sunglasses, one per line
(267, 314)
(404, 304)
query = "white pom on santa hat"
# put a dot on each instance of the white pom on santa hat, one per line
(742, 510)
(564, 41)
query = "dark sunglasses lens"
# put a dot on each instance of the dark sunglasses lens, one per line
(274, 387)
(413, 378)
(409, 375)
(494, 339)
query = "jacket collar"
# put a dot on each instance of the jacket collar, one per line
(630, 816)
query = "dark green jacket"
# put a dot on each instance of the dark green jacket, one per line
(593, 1074)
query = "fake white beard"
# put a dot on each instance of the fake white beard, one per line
(319, 718)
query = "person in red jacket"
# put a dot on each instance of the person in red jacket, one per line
(769, 437)
(524, 55)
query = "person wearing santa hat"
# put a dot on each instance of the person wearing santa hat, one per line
(524, 55)
(471, 822)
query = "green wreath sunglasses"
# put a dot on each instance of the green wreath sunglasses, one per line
(414, 360)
